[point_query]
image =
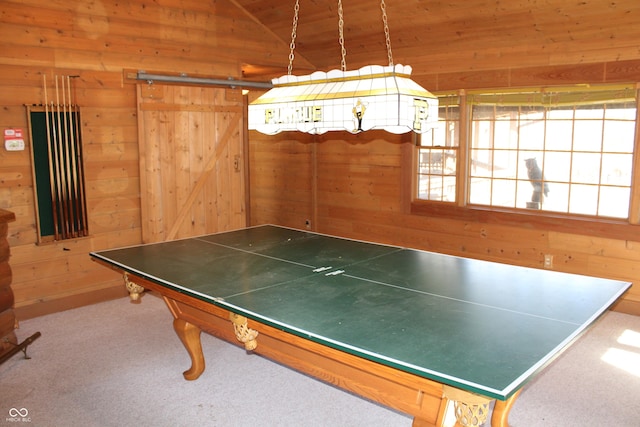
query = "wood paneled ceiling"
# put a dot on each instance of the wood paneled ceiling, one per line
(453, 36)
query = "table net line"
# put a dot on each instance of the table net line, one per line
(330, 270)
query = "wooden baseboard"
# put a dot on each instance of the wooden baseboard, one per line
(69, 302)
(627, 306)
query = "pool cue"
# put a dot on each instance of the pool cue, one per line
(49, 152)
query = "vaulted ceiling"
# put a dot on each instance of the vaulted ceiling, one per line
(436, 36)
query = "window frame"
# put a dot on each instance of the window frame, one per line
(461, 113)
(534, 219)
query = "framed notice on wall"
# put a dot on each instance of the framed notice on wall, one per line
(13, 139)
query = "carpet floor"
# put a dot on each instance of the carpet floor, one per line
(119, 364)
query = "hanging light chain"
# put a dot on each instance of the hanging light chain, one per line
(343, 51)
(383, 6)
(294, 30)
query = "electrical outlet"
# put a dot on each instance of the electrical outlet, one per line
(307, 224)
(548, 261)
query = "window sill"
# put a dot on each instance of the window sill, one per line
(537, 220)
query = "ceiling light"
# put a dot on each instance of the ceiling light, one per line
(373, 97)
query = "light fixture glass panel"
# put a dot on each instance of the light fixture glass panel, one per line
(373, 97)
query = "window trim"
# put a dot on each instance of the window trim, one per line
(622, 229)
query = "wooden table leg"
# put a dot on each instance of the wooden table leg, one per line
(471, 410)
(134, 289)
(418, 422)
(244, 334)
(500, 417)
(190, 336)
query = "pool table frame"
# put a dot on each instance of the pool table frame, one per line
(424, 399)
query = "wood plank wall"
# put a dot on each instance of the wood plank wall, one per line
(370, 199)
(361, 192)
(97, 41)
(353, 186)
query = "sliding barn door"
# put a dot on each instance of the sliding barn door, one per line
(192, 161)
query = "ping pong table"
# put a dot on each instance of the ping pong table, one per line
(411, 329)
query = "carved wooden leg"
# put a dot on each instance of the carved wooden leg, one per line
(500, 417)
(190, 336)
(471, 409)
(134, 289)
(243, 333)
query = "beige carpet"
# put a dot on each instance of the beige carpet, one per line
(119, 364)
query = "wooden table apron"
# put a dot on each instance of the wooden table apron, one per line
(419, 397)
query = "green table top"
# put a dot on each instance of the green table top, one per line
(479, 326)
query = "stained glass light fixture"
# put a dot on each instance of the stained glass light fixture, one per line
(373, 97)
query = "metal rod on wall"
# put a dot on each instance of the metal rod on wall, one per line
(141, 75)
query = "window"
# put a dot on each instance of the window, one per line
(438, 154)
(58, 171)
(564, 152)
